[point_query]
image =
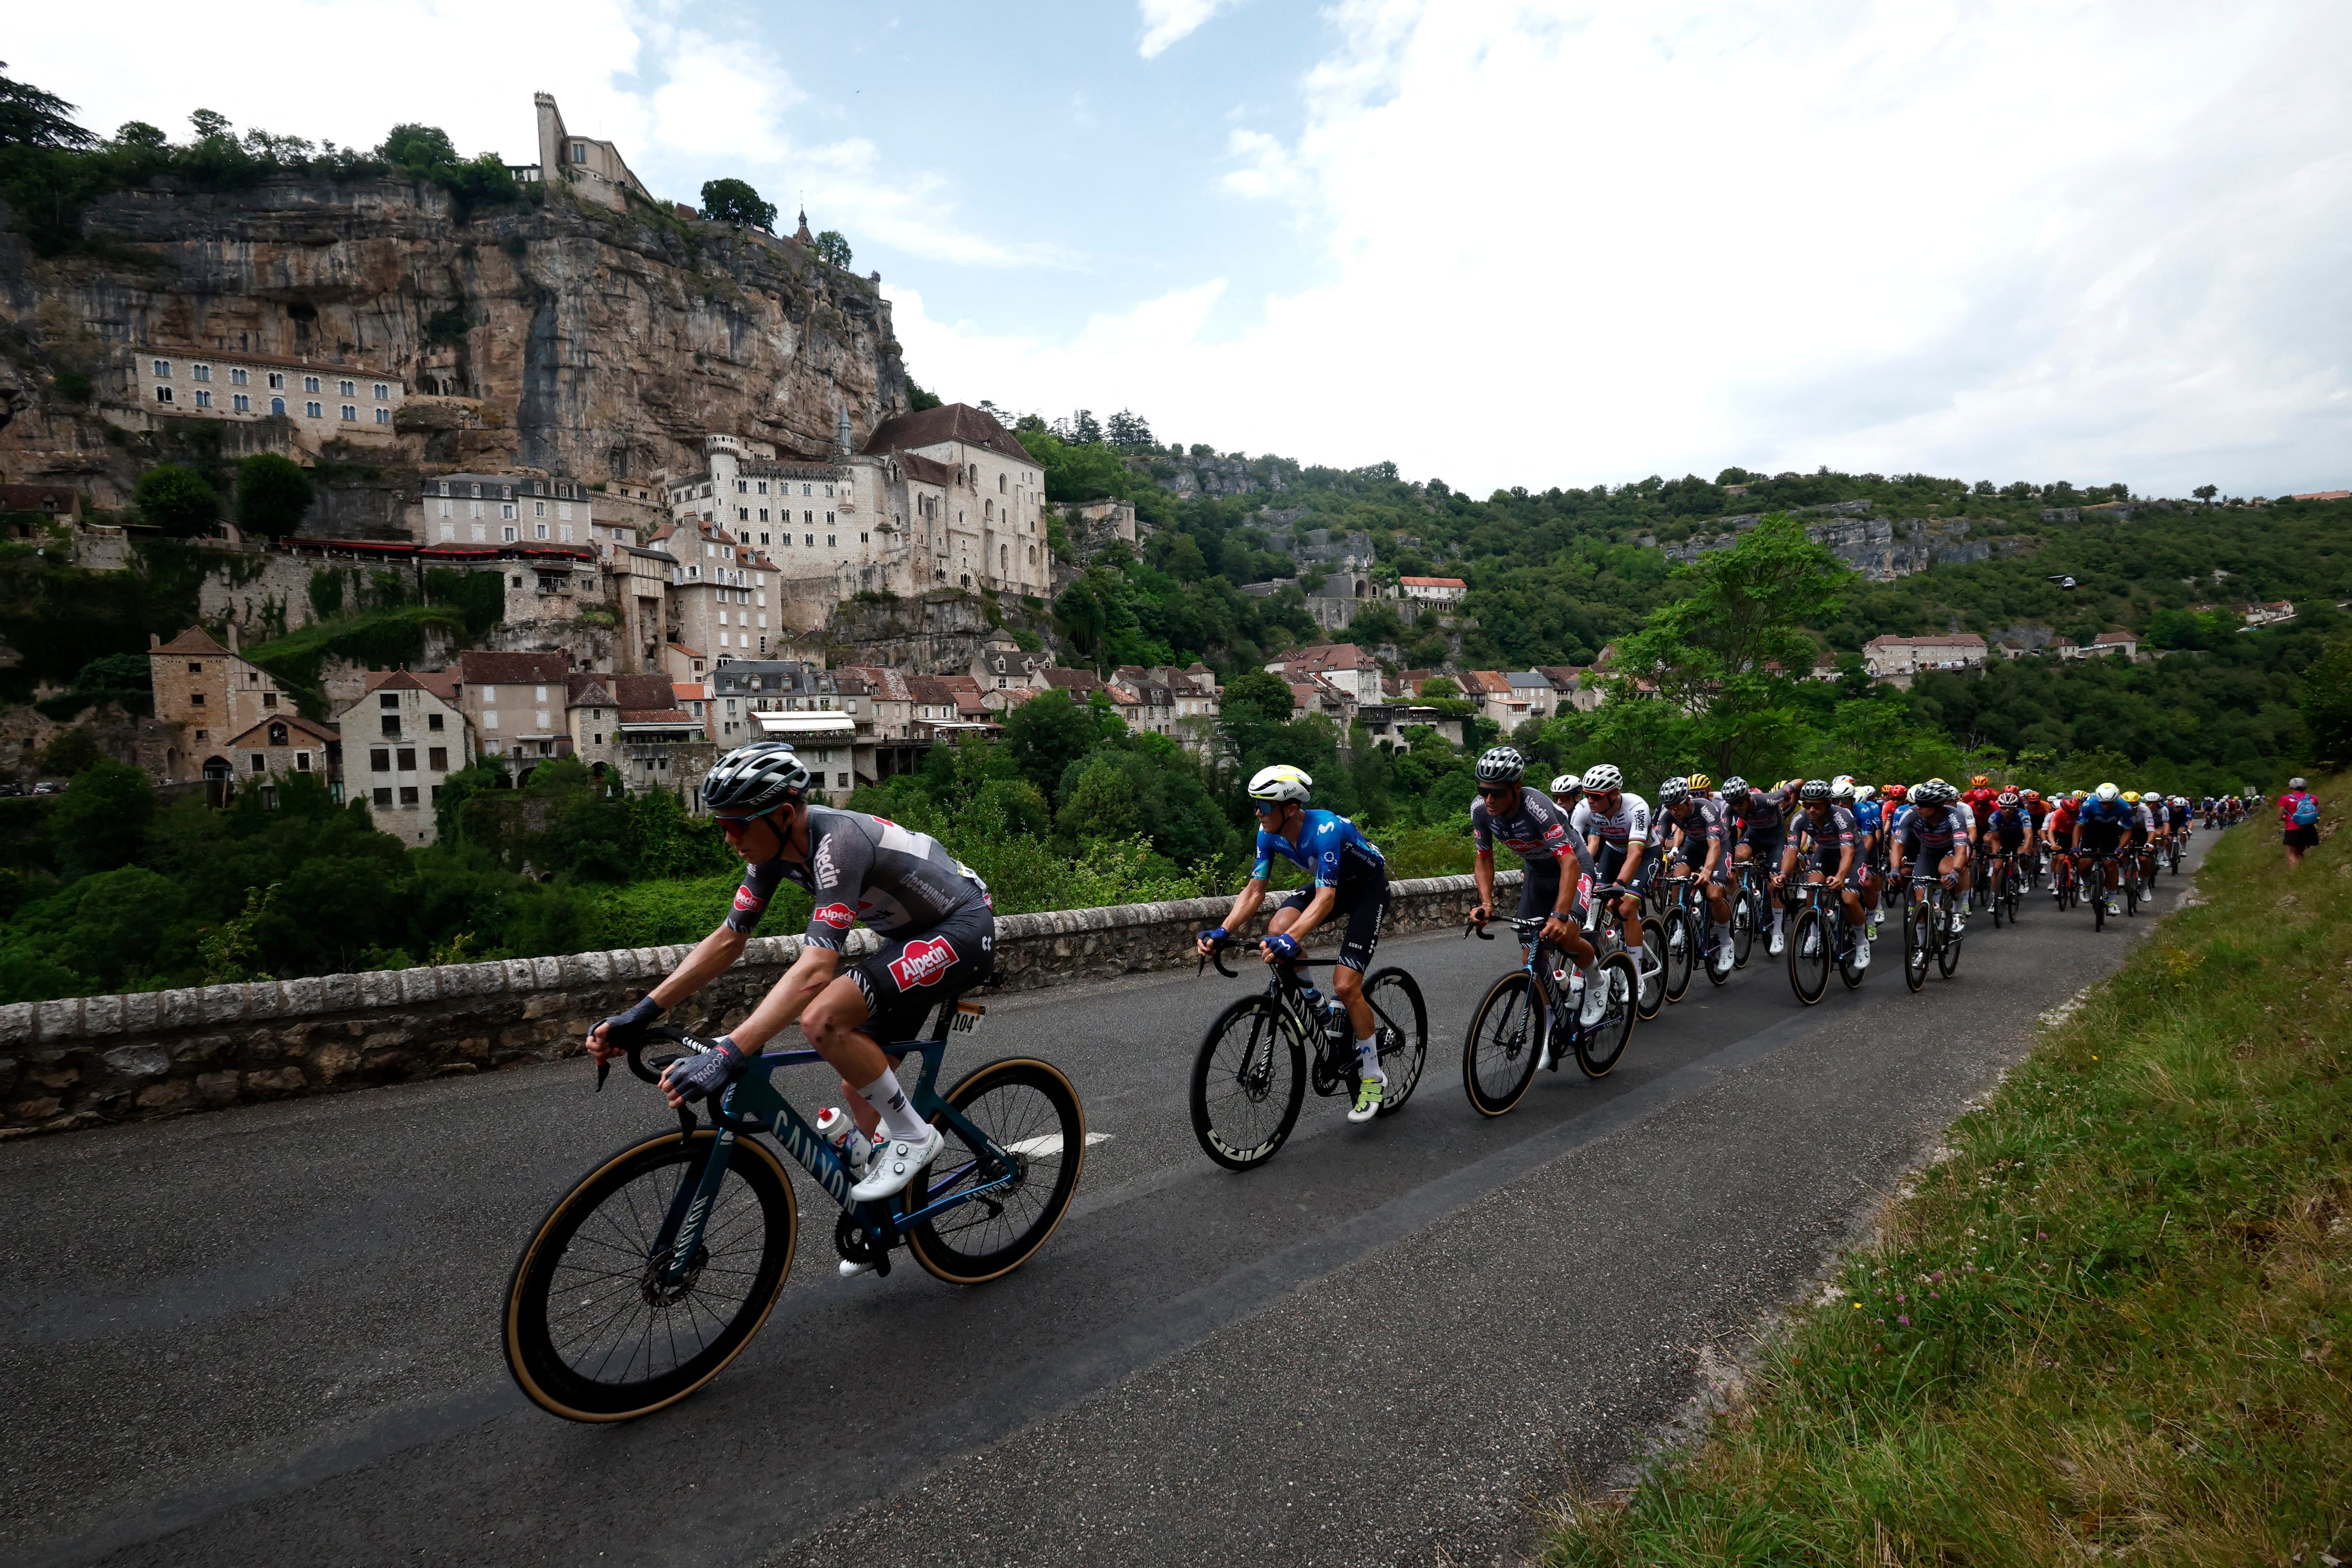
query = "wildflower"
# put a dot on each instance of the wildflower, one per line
(1904, 1321)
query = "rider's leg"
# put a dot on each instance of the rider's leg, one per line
(832, 1024)
(1348, 984)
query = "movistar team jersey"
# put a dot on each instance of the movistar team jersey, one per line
(867, 869)
(2103, 814)
(1328, 847)
(1865, 816)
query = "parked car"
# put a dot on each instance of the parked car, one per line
(10, 787)
(49, 786)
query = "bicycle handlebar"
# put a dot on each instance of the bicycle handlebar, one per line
(1217, 957)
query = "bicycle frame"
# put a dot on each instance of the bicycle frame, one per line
(681, 1229)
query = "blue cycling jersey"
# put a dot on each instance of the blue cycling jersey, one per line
(1865, 816)
(1328, 847)
(2098, 813)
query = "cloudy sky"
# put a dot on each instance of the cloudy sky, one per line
(1500, 243)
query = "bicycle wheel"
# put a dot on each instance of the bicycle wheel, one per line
(1032, 1113)
(1808, 957)
(1846, 970)
(1917, 942)
(1506, 1038)
(2098, 897)
(1650, 970)
(1743, 928)
(1598, 1046)
(593, 1332)
(1402, 1025)
(1997, 909)
(1681, 955)
(1247, 1083)
(1948, 952)
(1710, 959)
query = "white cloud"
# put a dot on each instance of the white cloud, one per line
(1569, 243)
(1167, 21)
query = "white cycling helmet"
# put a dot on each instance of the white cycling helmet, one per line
(1602, 778)
(1567, 783)
(2108, 792)
(1281, 781)
(1842, 787)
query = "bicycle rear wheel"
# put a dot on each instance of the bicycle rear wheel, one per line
(593, 1331)
(1917, 942)
(1032, 1113)
(1598, 1046)
(1744, 923)
(1650, 970)
(1247, 1083)
(1948, 952)
(1401, 1024)
(1853, 938)
(1681, 950)
(1808, 957)
(1506, 1038)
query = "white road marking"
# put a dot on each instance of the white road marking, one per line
(1051, 1143)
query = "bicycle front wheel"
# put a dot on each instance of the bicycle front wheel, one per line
(1808, 957)
(1598, 1046)
(1506, 1038)
(1744, 922)
(1682, 952)
(1401, 1026)
(1247, 1083)
(1948, 953)
(595, 1330)
(1034, 1115)
(1916, 944)
(1650, 993)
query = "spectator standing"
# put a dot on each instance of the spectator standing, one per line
(2299, 816)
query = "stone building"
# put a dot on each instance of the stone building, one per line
(286, 743)
(320, 400)
(211, 696)
(1442, 594)
(592, 711)
(593, 170)
(517, 704)
(1347, 667)
(509, 508)
(402, 738)
(1890, 657)
(718, 590)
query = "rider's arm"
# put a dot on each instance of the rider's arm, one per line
(1246, 903)
(713, 956)
(1483, 871)
(1318, 910)
(785, 1001)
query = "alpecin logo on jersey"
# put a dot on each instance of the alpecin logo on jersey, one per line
(837, 916)
(747, 901)
(925, 960)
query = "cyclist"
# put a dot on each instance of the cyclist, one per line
(2298, 811)
(1764, 812)
(1695, 827)
(2009, 831)
(1565, 792)
(1869, 842)
(1530, 826)
(1937, 829)
(2101, 824)
(1980, 797)
(1350, 881)
(939, 936)
(1615, 826)
(2142, 825)
(1822, 839)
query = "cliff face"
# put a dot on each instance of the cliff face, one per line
(555, 335)
(1878, 547)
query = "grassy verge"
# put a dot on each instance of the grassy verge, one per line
(2116, 1323)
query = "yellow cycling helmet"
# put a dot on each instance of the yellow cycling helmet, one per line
(2131, 797)
(1700, 784)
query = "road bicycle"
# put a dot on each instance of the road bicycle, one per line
(1931, 932)
(2009, 888)
(1691, 940)
(1820, 938)
(656, 1268)
(1533, 1004)
(1256, 1060)
(1606, 926)
(1751, 910)
(2173, 851)
(2064, 880)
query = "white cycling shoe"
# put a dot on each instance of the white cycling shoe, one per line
(1779, 944)
(894, 1166)
(851, 1269)
(1860, 956)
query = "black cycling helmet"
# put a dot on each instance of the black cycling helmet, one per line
(1501, 765)
(1674, 791)
(753, 780)
(1817, 791)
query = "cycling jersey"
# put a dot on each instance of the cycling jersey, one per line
(1980, 802)
(2143, 822)
(1629, 822)
(2103, 822)
(2008, 822)
(1706, 824)
(1827, 837)
(1535, 829)
(867, 869)
(1329, 848)
(1933, 830)
(1765, 812)
(1866, 816)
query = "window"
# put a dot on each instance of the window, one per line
(163, 369)
(763, 517)
(809, 540)
(195, 700)
(390, 724)
(510, 535)
(539, 530)
(195, 666)
(408, 795)
(200, 372)
(162, 394)
(580, 151)
(742, 514)
(204, 398)
(865, 538)
(383, 393)
(313, 411)
(310, 384)
(260, 763)
(383, 416)
(1000, 484)
(243, 402)
(302, 762)
(345, 389)
(384, 799)
(277, 407)
(433, 723)
(437, 759)
(829, 538)
(407, 758)
(276, 381)
(269, 699)
(351, 413)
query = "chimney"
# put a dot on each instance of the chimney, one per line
(153, 641)
(232, 636)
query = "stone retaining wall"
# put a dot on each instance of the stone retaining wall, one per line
(86, 1060)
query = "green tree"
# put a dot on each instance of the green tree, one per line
(918, 399)
(72, 752)
(101, 821)
(1258, 696)
(32, 118)
(1440, 686)
(2327, 702)
(419, 149)
(733, 201)
(273, 495)
(831, 249)
(177, 499)
(1046, 734)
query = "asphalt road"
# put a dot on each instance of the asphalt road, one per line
(270, 1335)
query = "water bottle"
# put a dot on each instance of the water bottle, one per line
(840, 1128)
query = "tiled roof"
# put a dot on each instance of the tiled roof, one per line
(927, 470)
(292, 721)
(587, 689)
(1433, 583)
(888, 684)
(676, 716)
(196, 639)
(484, 668)
(642, 691)
(949, 422)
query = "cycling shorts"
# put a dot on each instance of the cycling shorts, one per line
(910, 974)
(2102, 837)
(1765, 843)
(1612, 861)
(1539, 894)
(1361, 905)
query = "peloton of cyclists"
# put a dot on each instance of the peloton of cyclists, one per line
(1531, 825)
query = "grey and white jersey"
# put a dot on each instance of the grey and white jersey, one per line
(1628, 823)
(867, 869)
